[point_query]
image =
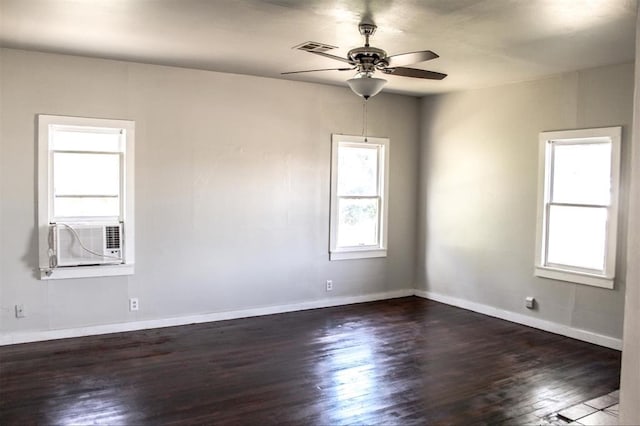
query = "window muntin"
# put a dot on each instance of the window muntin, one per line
(577, 221)
(359, 200)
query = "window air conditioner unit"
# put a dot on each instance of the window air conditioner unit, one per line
(79, 244)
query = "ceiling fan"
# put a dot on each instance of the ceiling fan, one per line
(368, 59)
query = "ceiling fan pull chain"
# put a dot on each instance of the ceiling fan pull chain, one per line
(364, 119)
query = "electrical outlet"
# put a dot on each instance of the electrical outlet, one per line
(133, 304)
(530, 302)
(329, 285)
(20, 311)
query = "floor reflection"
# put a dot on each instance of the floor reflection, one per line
(349, 374)
(97, 406)
(405, 361)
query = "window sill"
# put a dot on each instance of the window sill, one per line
(357, 254)
(86, 271)
(574, 277)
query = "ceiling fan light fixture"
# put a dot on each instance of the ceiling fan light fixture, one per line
(366, 86)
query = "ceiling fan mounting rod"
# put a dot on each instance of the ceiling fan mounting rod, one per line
(367, 30)
(367, 58)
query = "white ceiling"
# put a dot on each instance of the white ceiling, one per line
(480, 42)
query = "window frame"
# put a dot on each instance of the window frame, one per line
(547, 142)
(369, 251)
(46, 125)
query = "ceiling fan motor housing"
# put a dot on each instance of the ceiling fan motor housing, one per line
(368, 58)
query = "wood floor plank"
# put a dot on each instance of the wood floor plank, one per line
(401, 361)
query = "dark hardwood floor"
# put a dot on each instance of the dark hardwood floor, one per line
(402, 361)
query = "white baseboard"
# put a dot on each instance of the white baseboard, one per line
(564, 330)
(37, 336)
(575, 333)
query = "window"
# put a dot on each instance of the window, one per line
(85, 196)
(578, 205)
(359, 181)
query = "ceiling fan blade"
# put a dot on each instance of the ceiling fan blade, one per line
(323, 69)
(410, 58)
(327, 55)
(415, 73)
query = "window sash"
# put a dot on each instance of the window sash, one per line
(378, 202)
(377, 183)
(376, 196)
(549, 203)
(54, 217)
(543, 267)
(547, 238)
(337, 249)
(550, 168)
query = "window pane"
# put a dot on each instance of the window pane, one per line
(357, 171)
(577, 236)
(86, 174)
(67, 140)
(582, 173)
(90, 206)
(357, 222)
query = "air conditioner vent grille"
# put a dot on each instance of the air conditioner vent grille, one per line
(84, 243)
(314, 46)
(112, 237)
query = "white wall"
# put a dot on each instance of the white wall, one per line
(478, 194)
(232, 190)
(630, 376)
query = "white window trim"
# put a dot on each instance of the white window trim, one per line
(45, 175)
(379, 250)
(606, 279)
